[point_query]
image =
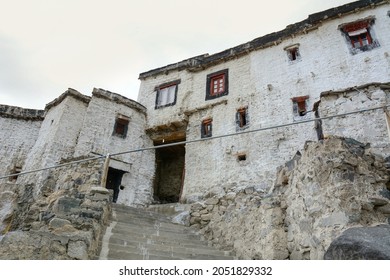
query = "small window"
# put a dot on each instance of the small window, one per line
(293, 53)
(121, 126)
(166, 94)
(206, 129)
(360, 36)
(241, 157)
(217, 84)
(300, 105)
(242, 119)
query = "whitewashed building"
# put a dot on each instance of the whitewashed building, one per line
(339, 57)
(335, 61)
(74, 127)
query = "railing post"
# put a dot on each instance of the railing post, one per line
(387, 117)
(105, 171)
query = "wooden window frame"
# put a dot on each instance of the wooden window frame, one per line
(121, 126)
(161, 87)
(222, 90)
(359, 35)
(206, 128)
(242, 118)
(301, 104)
(217, 84)
(293, 53)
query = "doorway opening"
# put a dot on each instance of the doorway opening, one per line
(170, 168)
(114, 180)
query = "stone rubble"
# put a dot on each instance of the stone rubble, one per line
(361, 243)
(66, 221)
(335, 184)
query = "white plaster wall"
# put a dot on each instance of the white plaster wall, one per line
(326, 62)
(265, 81)
(57, 138)
(17, 137)
(96, 138)
(368, 127)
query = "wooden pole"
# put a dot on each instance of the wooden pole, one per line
(105, 171)
(387, 117)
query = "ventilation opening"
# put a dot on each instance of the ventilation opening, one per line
(241, 157)
(114, 180)
(169, 174)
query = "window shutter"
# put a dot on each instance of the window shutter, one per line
(238, 121)
(357, 32)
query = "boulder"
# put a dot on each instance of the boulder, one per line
(364, 243)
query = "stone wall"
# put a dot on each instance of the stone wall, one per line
(19, 130)
(334, 185)
(368, 127)
(66, 221)
(337, 184)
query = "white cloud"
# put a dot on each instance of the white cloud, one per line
(47, 46)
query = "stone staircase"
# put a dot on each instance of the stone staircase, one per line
(140, 234)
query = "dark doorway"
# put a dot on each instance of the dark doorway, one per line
(114, 180)
(169, 174)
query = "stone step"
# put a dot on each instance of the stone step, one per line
(182, 239)
(152, 239)
(153, 229)
(162, 250)
(161, 255)
(163, 236)
(140, 212)
(140, 234)
(153, 224)
(125, 239)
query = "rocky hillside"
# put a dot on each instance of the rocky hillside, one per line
(327, 188)
(65, 220)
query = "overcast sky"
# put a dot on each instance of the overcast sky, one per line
(48, 46)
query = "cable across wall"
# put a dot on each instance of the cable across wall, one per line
(109, 155)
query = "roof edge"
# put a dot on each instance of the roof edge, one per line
(13, 112)
(114, 97)
(69, 93)
(204, 61)
(384, 86)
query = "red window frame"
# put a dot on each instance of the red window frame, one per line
(359, 38)
(242, 117)
(301, 104)
(217, 84)
(121, 127)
